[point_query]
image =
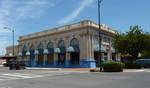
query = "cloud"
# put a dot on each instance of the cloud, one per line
(83, 4)
(14, 11)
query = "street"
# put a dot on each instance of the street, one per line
(66, 79)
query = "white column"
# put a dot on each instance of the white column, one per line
(45, 59)
(102, 56)
(55, 59)
(36, 60)
(27, 59)
(109, 56)
(67, 59)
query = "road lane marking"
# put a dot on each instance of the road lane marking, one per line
(15, 75)
(29, 75)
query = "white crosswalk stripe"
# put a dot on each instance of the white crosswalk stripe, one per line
(13, 76)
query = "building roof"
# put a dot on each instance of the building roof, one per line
(81, 24)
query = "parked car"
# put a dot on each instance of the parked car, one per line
(145, 63)
(16, 65)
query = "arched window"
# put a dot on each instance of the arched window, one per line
(74, 41)
(75, 44)
(50, 47)
(40, 48)
(61, 45)
(24, 50)
(31, 49)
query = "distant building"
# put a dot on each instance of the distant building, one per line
(9, 50)
(74, 45)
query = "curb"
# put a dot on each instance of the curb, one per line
(52, 69)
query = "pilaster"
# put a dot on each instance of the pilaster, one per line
(87, 58)
(55, 59)
(67, 62)
(36, 60)
(45, 60)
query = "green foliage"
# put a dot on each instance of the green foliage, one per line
(133, 42)
(111, 66)
(145, 54)
(132, 66)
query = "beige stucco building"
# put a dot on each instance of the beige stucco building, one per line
(9, 50)
(73, 45)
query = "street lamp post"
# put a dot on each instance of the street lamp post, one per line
(99, 23)
(12, 38)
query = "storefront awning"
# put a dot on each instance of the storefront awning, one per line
(36, 52)
(10, 54)
(70, 49)
(57, 50)
(27, 53)
(45, 51)
(20, 53)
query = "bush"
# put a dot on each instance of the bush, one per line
(111, 66)
(132, 66)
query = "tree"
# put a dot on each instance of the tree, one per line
(146, 53)
(133, 42)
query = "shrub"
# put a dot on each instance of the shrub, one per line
(132, 66)
(111, 66)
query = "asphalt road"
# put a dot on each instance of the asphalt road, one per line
(56, 79)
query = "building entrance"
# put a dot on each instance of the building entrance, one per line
(40, 59)
(97, 57)
(61, 59)
(74, 58)
(50, 59)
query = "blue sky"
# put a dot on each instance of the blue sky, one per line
(28, 16)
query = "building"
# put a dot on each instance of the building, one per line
(9, 50)
(74, 45)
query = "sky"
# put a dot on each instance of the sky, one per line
(29, 16)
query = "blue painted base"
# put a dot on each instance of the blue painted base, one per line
(67, 63)
(55, 62)
(87, 63)
(45, 63)
(84, 63)
(31, 63)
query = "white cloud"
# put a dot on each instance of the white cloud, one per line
(14, 11)
(83, 4)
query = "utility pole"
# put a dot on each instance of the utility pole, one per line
(12, 30)
(99, 23)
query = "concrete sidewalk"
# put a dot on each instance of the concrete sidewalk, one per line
(136, 70)
(60, 69)
(40, 68)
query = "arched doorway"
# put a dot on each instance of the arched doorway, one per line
(24, 57)
(98, 54)
(75, 54)
(50, 55)
(62, 54)
(32, 56)
(40, 61)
